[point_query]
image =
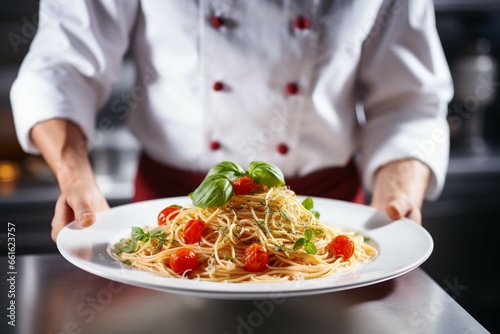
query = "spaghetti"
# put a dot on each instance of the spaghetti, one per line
(266, 235)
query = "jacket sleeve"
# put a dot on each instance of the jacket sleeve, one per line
(406, 87)
(73, 59)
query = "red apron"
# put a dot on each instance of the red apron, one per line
(155, 180)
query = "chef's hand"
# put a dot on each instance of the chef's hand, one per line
(79, 201)
(399, 189)
(64, 148)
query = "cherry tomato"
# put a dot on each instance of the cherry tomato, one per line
(343, 246)
(193, 231)
(182, 260)
(164, 214)
(244, 185)
(256, 258)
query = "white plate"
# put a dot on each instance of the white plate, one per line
(403, 246)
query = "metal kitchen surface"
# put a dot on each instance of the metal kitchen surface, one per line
(53, 296)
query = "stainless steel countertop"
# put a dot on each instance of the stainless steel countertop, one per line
(53, 296)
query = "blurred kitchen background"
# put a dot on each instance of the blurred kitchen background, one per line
(462, 222)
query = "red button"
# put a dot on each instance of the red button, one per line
(301, 23)
(292, 88)
(214, 145)
(217, 21)
(218, 86)
(282, 149)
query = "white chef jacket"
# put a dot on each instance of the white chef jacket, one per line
(237, 80)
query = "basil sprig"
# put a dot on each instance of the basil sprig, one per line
(309, 233)
(308, 203)
(217, 187)
(306, 240)
(138, 234)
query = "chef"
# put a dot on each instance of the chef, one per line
(341, 95)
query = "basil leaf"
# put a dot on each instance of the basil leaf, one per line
(227, 168)
(299, 243)
(318, 231)
(215, 191)
(264, 173)
(139, 234)
(128, 246)
(308, 234)
(156, 234)
(310, 248)
(308, 203)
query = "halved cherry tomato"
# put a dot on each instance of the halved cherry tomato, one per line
(182, 260)
(244, 185)
(343, 246)
(164, 214)
(256, 258)
(193, 231)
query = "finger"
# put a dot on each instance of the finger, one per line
(86, 217)
(72, 207)
(398, 208)
(83, 208)
(416, 215)
(401, 207)
(62, 216)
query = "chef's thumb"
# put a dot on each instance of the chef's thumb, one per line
(398, 208)
(85, 215)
